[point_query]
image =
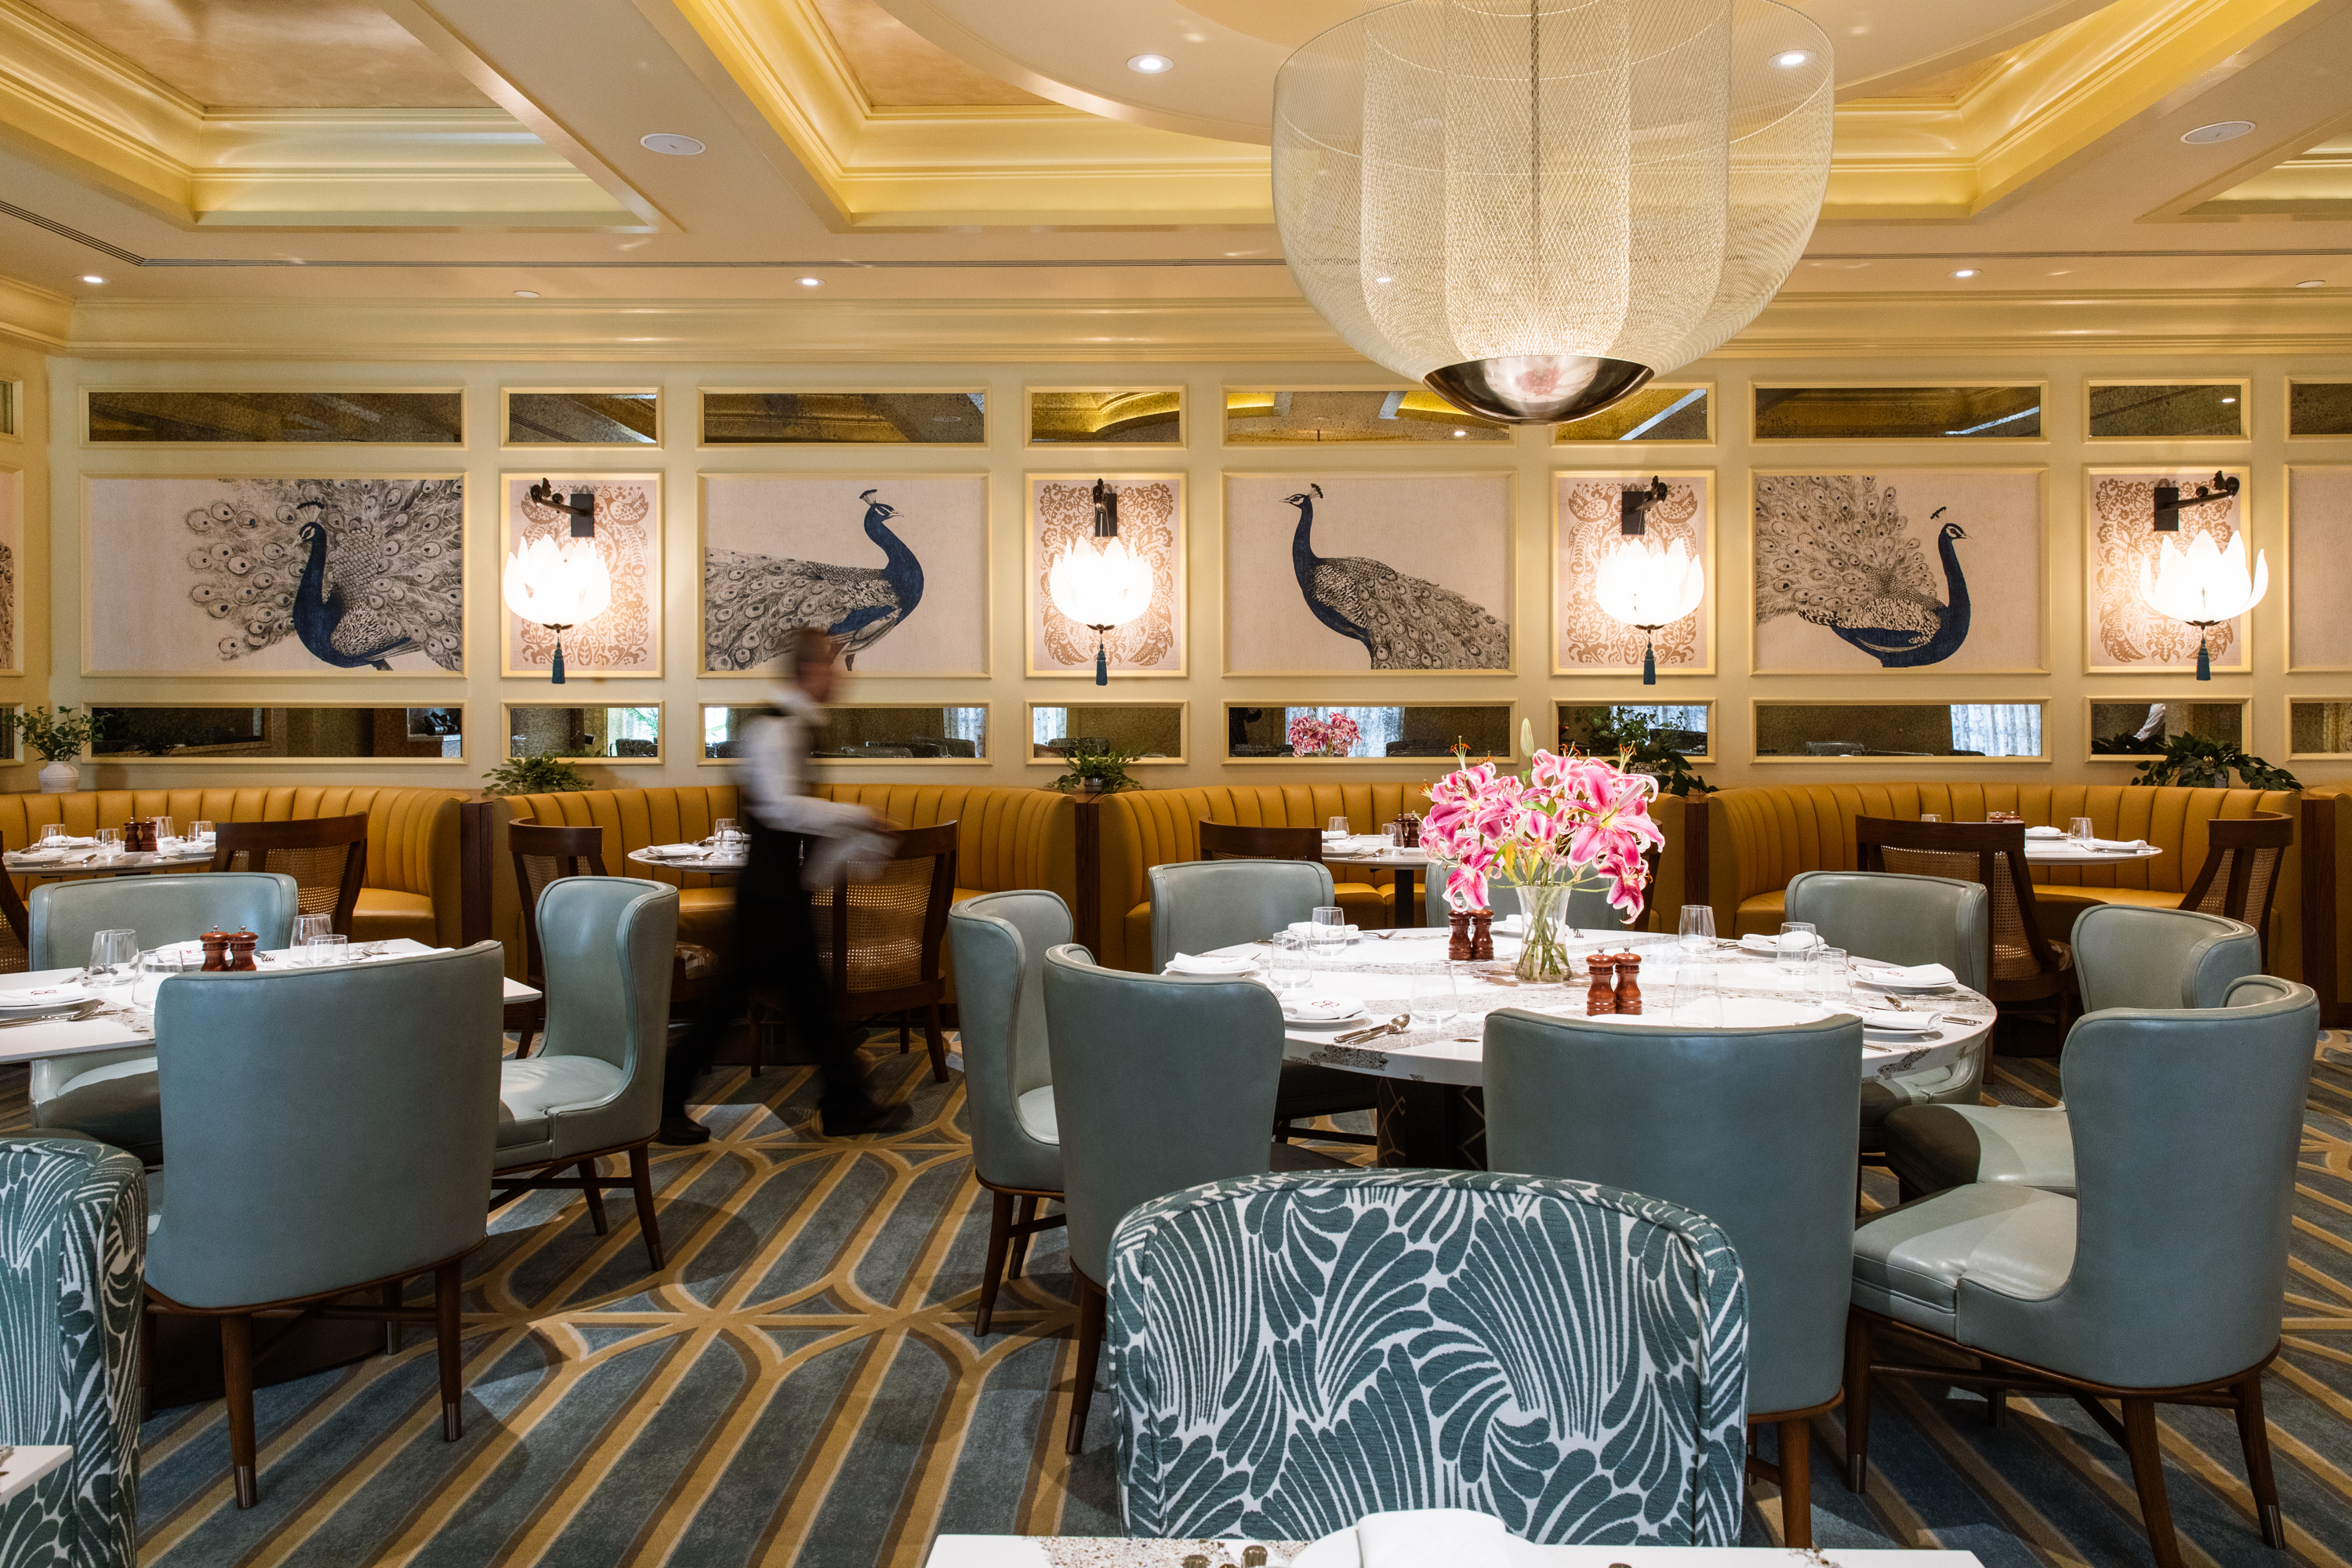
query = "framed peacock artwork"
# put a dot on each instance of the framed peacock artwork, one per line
(247, 577)
(1906, 571)
(2319, 531)
(1587, 522)
(2121, 632)
(12, 556)
(624, 642)
(896, 569)
(1332, 574)
(1151, 521)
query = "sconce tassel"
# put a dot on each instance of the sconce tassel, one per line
(555, 677)
(2204, 659)
(1650, 662)
(1102, 663)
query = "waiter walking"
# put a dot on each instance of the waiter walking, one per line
(798, 842)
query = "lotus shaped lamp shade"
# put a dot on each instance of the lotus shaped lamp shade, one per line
(557, 586)
(1533, 206)
(1101, 584)
(1648, 588)
(2204, 585)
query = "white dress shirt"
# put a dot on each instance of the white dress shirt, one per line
(774, 786)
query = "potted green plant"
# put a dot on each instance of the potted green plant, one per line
(60, 737)
(1647, 746)
(1096, 767)
(2195, 761)
(545, 773)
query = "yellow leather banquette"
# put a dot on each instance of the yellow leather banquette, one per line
(413, 887)
(1758, 837)
(1143, 829)
(1005, 839)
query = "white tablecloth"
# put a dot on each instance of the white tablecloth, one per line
(1117, 1551)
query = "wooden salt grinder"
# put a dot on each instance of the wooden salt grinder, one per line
(1458, 945)
(1600, 998)
(1482, 936)
(241, 945)
(1629, 982)
(215, 950)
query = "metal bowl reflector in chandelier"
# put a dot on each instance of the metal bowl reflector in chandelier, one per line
(1534, 206)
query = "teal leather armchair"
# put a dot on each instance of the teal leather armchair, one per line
(999, 942)
(1159, 1083)
(2161, 1279)
(111, 1095)
(73, 1236)
(1748, 1127)
(2124, 956)
(1197, 905)
(594, 1088)
(330, 1134)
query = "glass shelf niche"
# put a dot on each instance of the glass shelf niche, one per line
(370, 418)
(198, 733)
(1155, 732)
(845, 419)
(1344, 419)
(1594, 728)
(855, 733)
(1262, 732)
(1819, 732)
(612, 733)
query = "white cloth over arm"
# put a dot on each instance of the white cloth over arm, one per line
(775, 794)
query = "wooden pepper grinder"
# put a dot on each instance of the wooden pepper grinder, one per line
(241, 945)
(1601, 996)
(216, 951)
(1482, 935)
(1458, 945)
(1629, 982)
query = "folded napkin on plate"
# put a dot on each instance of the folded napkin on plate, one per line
(1899, 1022)
(1309, 929)
(1899, 974)
(2132, 844)
(1319, 1009)
(45, 995)
(1419, 1537)
(1212, 964)
(41, 857)
(2045, 833)
(1769, 941)
(667, 851)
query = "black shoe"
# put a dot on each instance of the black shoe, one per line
(682, 1130)
(859, 1120)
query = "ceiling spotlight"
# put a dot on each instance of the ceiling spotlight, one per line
(2219, 131)
(1459, 434)
(670, 143)
(1966, 272)
(526, 293)
(1150, 65)
(1383, 280)
(2312, 283)
(1790, 59)
(91, 278)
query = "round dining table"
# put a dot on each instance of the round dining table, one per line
(1375, 853)
(2074, 852)
(89, 862)
(1425, 1117)
(710, 863)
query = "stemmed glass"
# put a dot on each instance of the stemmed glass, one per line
(1697, 930)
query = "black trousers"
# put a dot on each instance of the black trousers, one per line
(774, 952)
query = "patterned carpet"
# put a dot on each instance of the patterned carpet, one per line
(802, 1386)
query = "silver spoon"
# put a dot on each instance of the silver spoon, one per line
(1395, 1025)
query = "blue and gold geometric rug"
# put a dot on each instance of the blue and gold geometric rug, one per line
(800, 1386)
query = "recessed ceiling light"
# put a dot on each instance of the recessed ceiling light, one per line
(671, 143)
(1459, 434)
(2219, 131)
(1383, 280)
(811, 282)
(526, 293)
(2312, 283)
(1150, 65)
(2228, 400)
(1965, 272)
(1790, 59)
(91, 278)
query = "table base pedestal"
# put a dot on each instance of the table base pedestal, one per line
(1432, 1126)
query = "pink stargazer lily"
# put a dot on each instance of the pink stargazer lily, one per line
(1573, 822)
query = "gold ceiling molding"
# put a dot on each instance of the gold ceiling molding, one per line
(1262, 331)
(35, 317)
(71, 105)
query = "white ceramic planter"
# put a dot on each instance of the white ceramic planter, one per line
(60, 778)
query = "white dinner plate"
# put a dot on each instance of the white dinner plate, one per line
(43, 996)
(1354, 1010)
(1888, 1021)
(1212, 964)
(1338, 1549)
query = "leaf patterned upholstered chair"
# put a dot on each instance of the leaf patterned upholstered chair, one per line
(2160, 1282)
(1197, 905)
(1159, 1084)
(1294, 1350)
(1752, 1128)
(1000, 942)
(73, 1240)
(2124, 956)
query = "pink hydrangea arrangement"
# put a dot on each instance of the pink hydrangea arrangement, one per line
(1333, 737)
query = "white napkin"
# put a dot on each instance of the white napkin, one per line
(1417, 1537)
(45, 995)
(2045, 833)
(1898, 974)
(1210, 963)
(1902, 1022)
(1308, 927)
(1319, 1009)
(37, 857)
(68, 843)
(2132, 844)
(1768, 942)
(665, 851)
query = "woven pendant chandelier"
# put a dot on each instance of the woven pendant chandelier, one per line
(1533, 206)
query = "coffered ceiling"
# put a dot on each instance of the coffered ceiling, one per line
(988, 149)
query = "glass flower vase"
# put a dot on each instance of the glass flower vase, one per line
(1542, 957)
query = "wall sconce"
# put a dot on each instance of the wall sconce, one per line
(2168, 501)
(1648, 588)
(1634, 507)
(2203, 586)
(559, 586)
(1098, 582)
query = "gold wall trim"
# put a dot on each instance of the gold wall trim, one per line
(35, 317)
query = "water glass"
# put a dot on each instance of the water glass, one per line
(1330, 924)
(1832, 982)
(726, 832)
(1435, 1004)
(112, 954)
(54, 831)
(202, 830)
(1337, 825)
(1697, 1000)
(328, 949)
(1697, 930)
(1930, 817)
(1798, 939)
(155, 966)
(1287, 965)
(2079, 829)
(110, 841)
(309, 929)
(163, 828)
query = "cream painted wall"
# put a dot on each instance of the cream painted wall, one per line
(27, 451)
(1530, 460)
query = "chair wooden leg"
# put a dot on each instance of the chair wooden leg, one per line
(641, 1183)
(2254, 1436)
(593, 1193)
(904, 1035)
(937, 1040)
(1023, 1213)
(1796, 1482)
(760, 1028)
(1857, 1402)
(1000, 1229)
(1282, 1131)
(1996, 1399)
(237, 1388)
(2147, 1476)
(146, 1364)
(1093, 1307)
(390, 1295)
(447, 1283)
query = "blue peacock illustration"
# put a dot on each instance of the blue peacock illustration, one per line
(1833, 549)
(752, 603)
(1403, 622)
(361, 572)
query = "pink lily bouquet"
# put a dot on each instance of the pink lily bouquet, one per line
(1333, 737)
(1571, 822)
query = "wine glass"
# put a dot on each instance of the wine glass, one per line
(51, 833)
(163, 831)
(1798, 939)
(155, 966)
(309, 929)
(2079, 829)
(1338, 825)
(202, 830)
(1697, 930)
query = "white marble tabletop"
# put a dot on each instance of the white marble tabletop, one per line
(178, 856)
(1120, 1552)
(709, 860)
(2066, 852)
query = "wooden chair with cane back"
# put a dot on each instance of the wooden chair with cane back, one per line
(2023, 965)
(878, 941)
(15, 939)
(1230, 841)
(326, 856)
(546, 854)
(2240, 874)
